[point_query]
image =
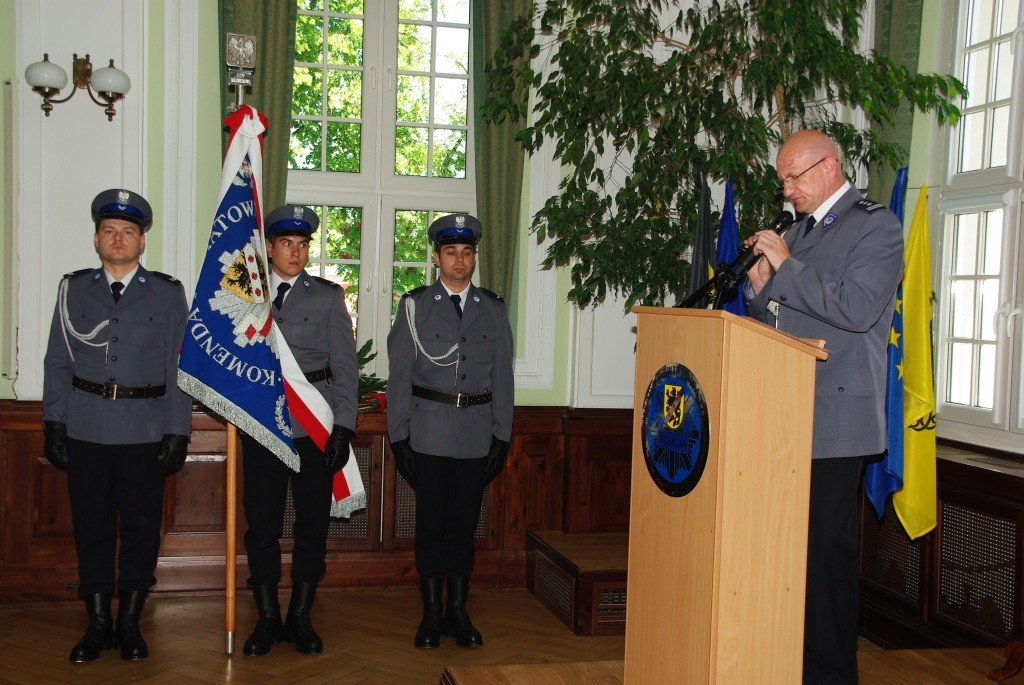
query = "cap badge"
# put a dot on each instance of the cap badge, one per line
(460, 221)
(297, 213)
(122, 197)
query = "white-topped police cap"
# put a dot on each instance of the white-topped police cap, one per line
(291, 220)
(455, 228)
(118, 203)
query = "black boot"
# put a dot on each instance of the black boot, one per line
(269, 628)
(100, 633)
(297, 627)
(428, 635)
(127, 635)
(456, 620)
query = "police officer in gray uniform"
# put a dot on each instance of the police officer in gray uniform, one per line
(450, 400)
(114, 418)
(311, 313)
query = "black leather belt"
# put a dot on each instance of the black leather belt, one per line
(320, 375)
(113, 391)
(462, 399)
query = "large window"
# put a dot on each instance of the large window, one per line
(978, 331)
(380, 141)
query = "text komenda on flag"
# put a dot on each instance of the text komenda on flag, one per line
(234, 359)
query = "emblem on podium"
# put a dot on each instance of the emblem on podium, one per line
(674, 430)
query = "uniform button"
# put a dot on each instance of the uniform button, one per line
(114, 358)
(280, 320)
(462, 339)
(114, 320)
(436, 336)
(841, 388)
(114, 339)
(782, 299)
(463, 357)
(463, 376)
(110, 379)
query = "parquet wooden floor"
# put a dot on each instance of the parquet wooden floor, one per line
(368, 636)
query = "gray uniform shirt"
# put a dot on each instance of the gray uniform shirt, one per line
(139, 346)
(839, 285)
(482, 359)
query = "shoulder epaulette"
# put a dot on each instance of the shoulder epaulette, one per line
(868, 205)
(166, 277)
(493, 294)
(326, 282)
(414, 291)
(80, 272)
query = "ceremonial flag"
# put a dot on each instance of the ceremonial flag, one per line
(234, 359)
(727, 249)
(916, 504)
(885, 476)
(701, 265)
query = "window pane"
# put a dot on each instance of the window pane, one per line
(976, 77)
(343, 147)
(989, 291)
(410, 151)
(309, 39)
(411, 237)
(454, 11)
(343, 232)
(413, 99)
(992, 245)
(414, 9)
(307, 92)
(1003, 72)
(965, 242)
(347, 6)
(1000, 132)
(972, 139)
(1008, 19)
(452, 50)
(961, 309)
(986, 376)
(406, 278)
(451, 100)
(979, 21)
(344, 93)
(413, 47)
(345, 42)
(449, 153)
(304, 145)
(958, 386)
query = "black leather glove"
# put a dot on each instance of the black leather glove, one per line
(172, 452)
(336, 452)
(495, 459)
(405, 460)
(55, 443)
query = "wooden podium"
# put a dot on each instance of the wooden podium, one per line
(715, 590)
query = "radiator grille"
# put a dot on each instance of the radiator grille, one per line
(977, 570)
(889, 557)
(610, 609)
(352, 528)
(554, 587)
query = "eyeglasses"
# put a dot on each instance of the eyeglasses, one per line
(790, 180)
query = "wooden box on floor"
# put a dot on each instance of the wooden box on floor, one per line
(581, 578)
(716, 577)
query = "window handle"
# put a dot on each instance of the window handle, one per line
(373, 77)
(1009, 321)
(389, 75)
(385, 287)
(998, 318)
(369, 283)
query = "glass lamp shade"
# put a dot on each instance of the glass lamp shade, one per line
(46, 74)
(111, 80)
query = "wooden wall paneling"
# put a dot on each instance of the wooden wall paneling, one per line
(599, 446)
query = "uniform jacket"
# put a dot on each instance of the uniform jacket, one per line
(482, 360)
(315, 321)
(839, 285)
(138, 347)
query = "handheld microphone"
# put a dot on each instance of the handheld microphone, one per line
(746, 259)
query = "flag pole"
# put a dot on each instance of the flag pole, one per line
(240, 54)
(230, 524)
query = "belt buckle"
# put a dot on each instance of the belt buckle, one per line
(110, 391)
(461, 400)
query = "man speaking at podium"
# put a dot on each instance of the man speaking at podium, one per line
(833, 276)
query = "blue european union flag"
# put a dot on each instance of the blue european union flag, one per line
(727, 249)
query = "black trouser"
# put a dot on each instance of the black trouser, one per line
(116, 491)
(833, 576)
(266, 489)
(448, 496)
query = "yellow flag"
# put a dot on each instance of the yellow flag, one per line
(916, 503)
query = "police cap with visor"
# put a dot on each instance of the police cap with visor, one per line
(118, 203)
(291, 220)
(454, 228)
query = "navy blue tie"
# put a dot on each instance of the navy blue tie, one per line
(281, 290)
(116, 287)
(457, 301)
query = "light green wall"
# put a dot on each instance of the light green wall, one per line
(210, 120)
(7, 44)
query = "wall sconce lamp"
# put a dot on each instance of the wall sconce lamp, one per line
(109, 83)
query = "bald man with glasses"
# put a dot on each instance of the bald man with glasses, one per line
(832, 276)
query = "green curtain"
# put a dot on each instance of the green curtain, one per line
(273, 24)
(897, 37)
(499, 157)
